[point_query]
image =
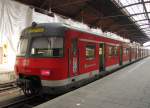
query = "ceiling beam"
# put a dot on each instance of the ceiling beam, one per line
(140, 20)
(144, 24)
(44, 3)
(74, 2)
(122, 15)
(85, 10)
(80, 11)
(134, 4)
(145, 10)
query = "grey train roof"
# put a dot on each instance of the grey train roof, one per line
(54, 29)
(58, 29)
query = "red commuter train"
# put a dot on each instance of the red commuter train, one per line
(53, 57)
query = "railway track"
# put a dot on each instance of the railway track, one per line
(21, 101)
(7, 86)
(25, 102)
(17, 103)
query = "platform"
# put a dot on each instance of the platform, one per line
(126, 88)
(6, 73)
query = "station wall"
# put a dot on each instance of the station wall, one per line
(1, 55)
(14, 17)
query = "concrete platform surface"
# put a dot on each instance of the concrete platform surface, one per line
(7, 73)
(126, 88)
(6, 68)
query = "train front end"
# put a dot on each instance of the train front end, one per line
(40, 62)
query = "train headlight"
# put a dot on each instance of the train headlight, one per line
(45, 72)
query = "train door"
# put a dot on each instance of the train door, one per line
(121, 55)
(74, 57)
(101, 57)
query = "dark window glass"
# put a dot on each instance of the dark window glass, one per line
(90, 51)
(47, 47)
(110, 51)
(126, 51)
(116, 50)
(22, 47)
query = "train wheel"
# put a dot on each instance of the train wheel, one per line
(30, 88)
(30, 91)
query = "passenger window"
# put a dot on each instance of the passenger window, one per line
(110, 51)
(126, 51)
(90, 52)
(113, 51)
(100, 51)
(116, 50)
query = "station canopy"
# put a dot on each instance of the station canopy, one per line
(138, 11)
(127, 18)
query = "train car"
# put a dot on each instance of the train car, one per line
(54, 57)
(109, 53)
(133, 52)
(112, 55)
(126, 55)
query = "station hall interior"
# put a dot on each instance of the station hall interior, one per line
(74, 53)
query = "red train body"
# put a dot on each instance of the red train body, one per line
(54, 57)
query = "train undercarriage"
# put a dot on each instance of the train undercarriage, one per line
(29, 85)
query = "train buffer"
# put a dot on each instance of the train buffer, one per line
(126, 88)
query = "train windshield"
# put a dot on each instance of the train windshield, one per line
(22, 47)
(47, 47)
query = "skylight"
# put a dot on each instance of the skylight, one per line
(138, 11)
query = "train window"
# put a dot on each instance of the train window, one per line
(22, 47)
(126, 51)
(116, 50)
(47, 47)
(113, 51)
(90, 52)
(100, 51)
(110, 51)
